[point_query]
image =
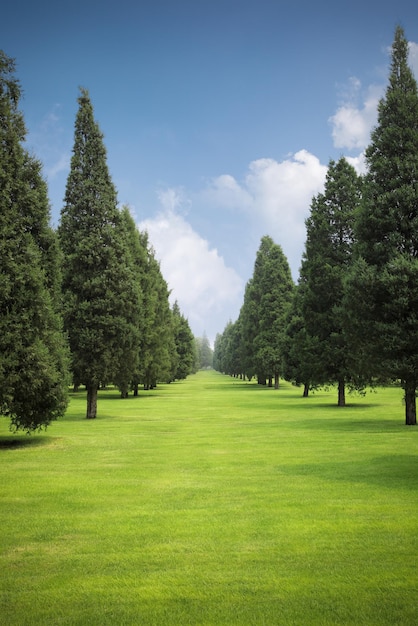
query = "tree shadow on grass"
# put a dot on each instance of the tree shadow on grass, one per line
(395, 471)
(106, 395)
(14, 442)
(359, 424)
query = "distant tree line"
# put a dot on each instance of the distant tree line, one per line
(352, 319)
(84, 304)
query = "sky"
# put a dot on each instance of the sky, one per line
(219, 118)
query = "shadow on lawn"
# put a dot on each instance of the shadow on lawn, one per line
(24, 441)
(106, 395)
(395, 471)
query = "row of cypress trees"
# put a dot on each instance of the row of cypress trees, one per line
(352, 319)
(87, 302)
(252, 346)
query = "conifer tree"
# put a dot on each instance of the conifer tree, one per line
(184, 341)
(157, 346)
(100, 291)
(205, 353)
(33, 353)
(326, 262)
(382, 292)
(136, 261)
(301, 351)
(266, 304)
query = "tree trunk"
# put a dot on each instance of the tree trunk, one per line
(341, 393)
(276, 381)
(135, 390)
(91, 401)
(410, 403)
(306, 390)
(270, 381)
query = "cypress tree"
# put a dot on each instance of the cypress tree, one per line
(382, 291)
(157, 346)
(100, 291)
(266, 304)
(33, 354)
(301, 351)
(184, 341)
(326, 263)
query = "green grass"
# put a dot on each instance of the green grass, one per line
(212, 501)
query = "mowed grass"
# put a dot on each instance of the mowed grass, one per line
(213, 501)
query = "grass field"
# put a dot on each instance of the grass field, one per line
(213, 501)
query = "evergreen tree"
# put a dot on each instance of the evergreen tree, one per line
(249, 323)
(99, 287)
(33, 354)
(204, 351)
(233, 349)
(157, 349)
(326, 262)
(266, 304)
(136, 261)
(301, 351)
(184, 341)
(382, 295)
(223, 353)
(218, 351)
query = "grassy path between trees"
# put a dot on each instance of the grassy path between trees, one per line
(212, 501)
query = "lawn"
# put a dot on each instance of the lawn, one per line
(213, 502)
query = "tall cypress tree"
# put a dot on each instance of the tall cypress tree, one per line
(382, 295)
(33, 355)
(266, 304)
(301, 351)
(184, 341)
(100, 291)
(157, 345)
(326, 263)
(137, 259)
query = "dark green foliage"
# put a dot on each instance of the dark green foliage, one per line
(33, 354)
(327, 260)
(383, 286)
(301, 351)
(101, 294)
(227, 349)
(136, 257)
(158, 357)
(232, 361)
(185, 344)
(219, 351)
(263, 315)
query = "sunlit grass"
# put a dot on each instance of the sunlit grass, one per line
(213, 501)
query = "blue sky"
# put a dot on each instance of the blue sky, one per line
(219, 117)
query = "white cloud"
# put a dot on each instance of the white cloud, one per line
(173, 199)
(413, 57)
(276, 197)
(208, 292)
(352, 124)
(358, 162)
(224, 191)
